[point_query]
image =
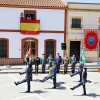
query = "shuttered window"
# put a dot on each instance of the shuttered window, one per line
(3, 48)
(76, 23)
(49, 48)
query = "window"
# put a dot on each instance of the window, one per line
(33, 47)
(3, 48)
(76, 23)
(50, 48)
(31, 13)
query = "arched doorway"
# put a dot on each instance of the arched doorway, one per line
(26, 43)
(50, 47)
(4, 48)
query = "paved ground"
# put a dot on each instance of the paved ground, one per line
(44, 91)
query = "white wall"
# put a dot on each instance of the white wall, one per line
(15, 42)
(50, 19)
(75, 36)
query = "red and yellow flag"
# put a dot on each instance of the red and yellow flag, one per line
(30, 50)
(31, 27)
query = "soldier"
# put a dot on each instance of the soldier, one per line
(80, 70)
(50, 60)
(27, 57)
(83, 82)
(43, 60)
(29, 17)
(28, 77)
(73, 63)
(22, 16)
(52, 75)
(58, 61)
(36, 62)
(66, 62)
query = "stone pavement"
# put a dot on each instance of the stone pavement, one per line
(44, 91)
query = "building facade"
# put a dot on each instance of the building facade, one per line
(51, 18)
(82, 18)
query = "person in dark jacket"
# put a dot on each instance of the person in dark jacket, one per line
(36, 63)
(83, 82)
(52, 75)
(73, 63)
(28, 77)
(58, 61)
(43, 61)
(80, 70)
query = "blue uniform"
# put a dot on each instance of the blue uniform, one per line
(58, 61)
(28, 77)
(52, 75)
(80, 70)
(84, 80)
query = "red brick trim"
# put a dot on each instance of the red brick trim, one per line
(41, 31)
(54, 46)
(50, 31)
(22, 45)
(11, 61)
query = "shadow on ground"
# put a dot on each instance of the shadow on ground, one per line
(90, 95)
(58, 86)
(36, 92)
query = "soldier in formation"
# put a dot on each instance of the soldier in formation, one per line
(83, 82)
(28, 76)
(66, 62)
(52, 75)
(43, 61)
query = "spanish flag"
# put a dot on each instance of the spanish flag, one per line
(31, 27)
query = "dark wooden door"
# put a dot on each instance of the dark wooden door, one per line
(75, 49)
(49, 48)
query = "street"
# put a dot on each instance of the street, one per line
(44, 91)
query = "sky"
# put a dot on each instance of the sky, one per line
(85, 1)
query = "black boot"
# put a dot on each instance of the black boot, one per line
(16, 83)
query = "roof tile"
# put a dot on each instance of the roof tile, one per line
(35, 3)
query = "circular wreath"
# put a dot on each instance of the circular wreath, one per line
(91, 40)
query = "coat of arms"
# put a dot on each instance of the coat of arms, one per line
(91, 40)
